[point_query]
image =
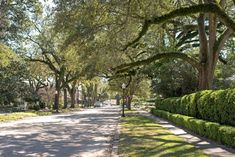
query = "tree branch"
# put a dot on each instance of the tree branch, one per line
(202, 39)
(129, 81)
(141, 33)
(51, 65)
(48, 63)
(125, 67)
(201, 8)
(222, 39)
(222, 60)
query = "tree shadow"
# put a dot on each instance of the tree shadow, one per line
(80, 134)
(164, 148)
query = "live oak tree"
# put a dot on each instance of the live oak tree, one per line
(57, 62)
(68, 58)
(13, 86)
(84, 28)
(211, 41)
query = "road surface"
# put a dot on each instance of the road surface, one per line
(84, 133)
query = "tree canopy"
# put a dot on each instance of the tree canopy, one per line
(180, 46)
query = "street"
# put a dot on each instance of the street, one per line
(84, 133)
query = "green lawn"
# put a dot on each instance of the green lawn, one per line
(20, 115)
(141, 137)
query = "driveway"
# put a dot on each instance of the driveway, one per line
(85, 133)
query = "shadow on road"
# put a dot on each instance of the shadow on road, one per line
(85, 134)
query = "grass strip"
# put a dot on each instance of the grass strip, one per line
(16, 116)
(19, 115)
(140, 137)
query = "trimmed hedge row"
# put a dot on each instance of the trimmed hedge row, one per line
(216, 106)
(215, 131)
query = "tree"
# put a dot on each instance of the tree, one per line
(12, 84)
(39, 76)
(64, 61)
(209, 50)
(136, 85)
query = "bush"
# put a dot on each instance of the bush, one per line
(33, 106)
(215, 131)
(216, 106)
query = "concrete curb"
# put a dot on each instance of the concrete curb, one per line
(115, 141)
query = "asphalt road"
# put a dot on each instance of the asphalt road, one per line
(84, 133)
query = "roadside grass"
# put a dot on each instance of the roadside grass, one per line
(130, 111)
(67, 110)
(20, 115)
(16, 116)
(141, 137)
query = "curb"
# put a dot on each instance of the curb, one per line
(115, 140)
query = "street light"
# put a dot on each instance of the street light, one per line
(123, 89)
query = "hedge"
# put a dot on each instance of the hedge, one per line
(216, 106)
(215, 131)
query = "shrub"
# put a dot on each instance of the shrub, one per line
(215, 131)
(216, 106)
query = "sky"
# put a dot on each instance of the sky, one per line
(47, 3)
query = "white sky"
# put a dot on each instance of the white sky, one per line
(47, 3)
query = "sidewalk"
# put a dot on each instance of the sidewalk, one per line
(209, 147)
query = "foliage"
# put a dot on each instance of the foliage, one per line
(215, 131)
(12, 85)
(140, 136)
(216, 106)
(172, 78)
(137, 86)
(6, 55)
(224, 73)
(15, 18)
(75, 41)
(185, 36)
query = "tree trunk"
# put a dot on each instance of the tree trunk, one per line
(208, 53)
(129, 102)
(205, 72)
(72, 95)
(72, 92)
(204, 79)
(84, 94)
(56, 102)
(89, 94)
(65, 98)
(95, 93)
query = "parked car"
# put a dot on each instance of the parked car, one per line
(107, 102)
(98, 104)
